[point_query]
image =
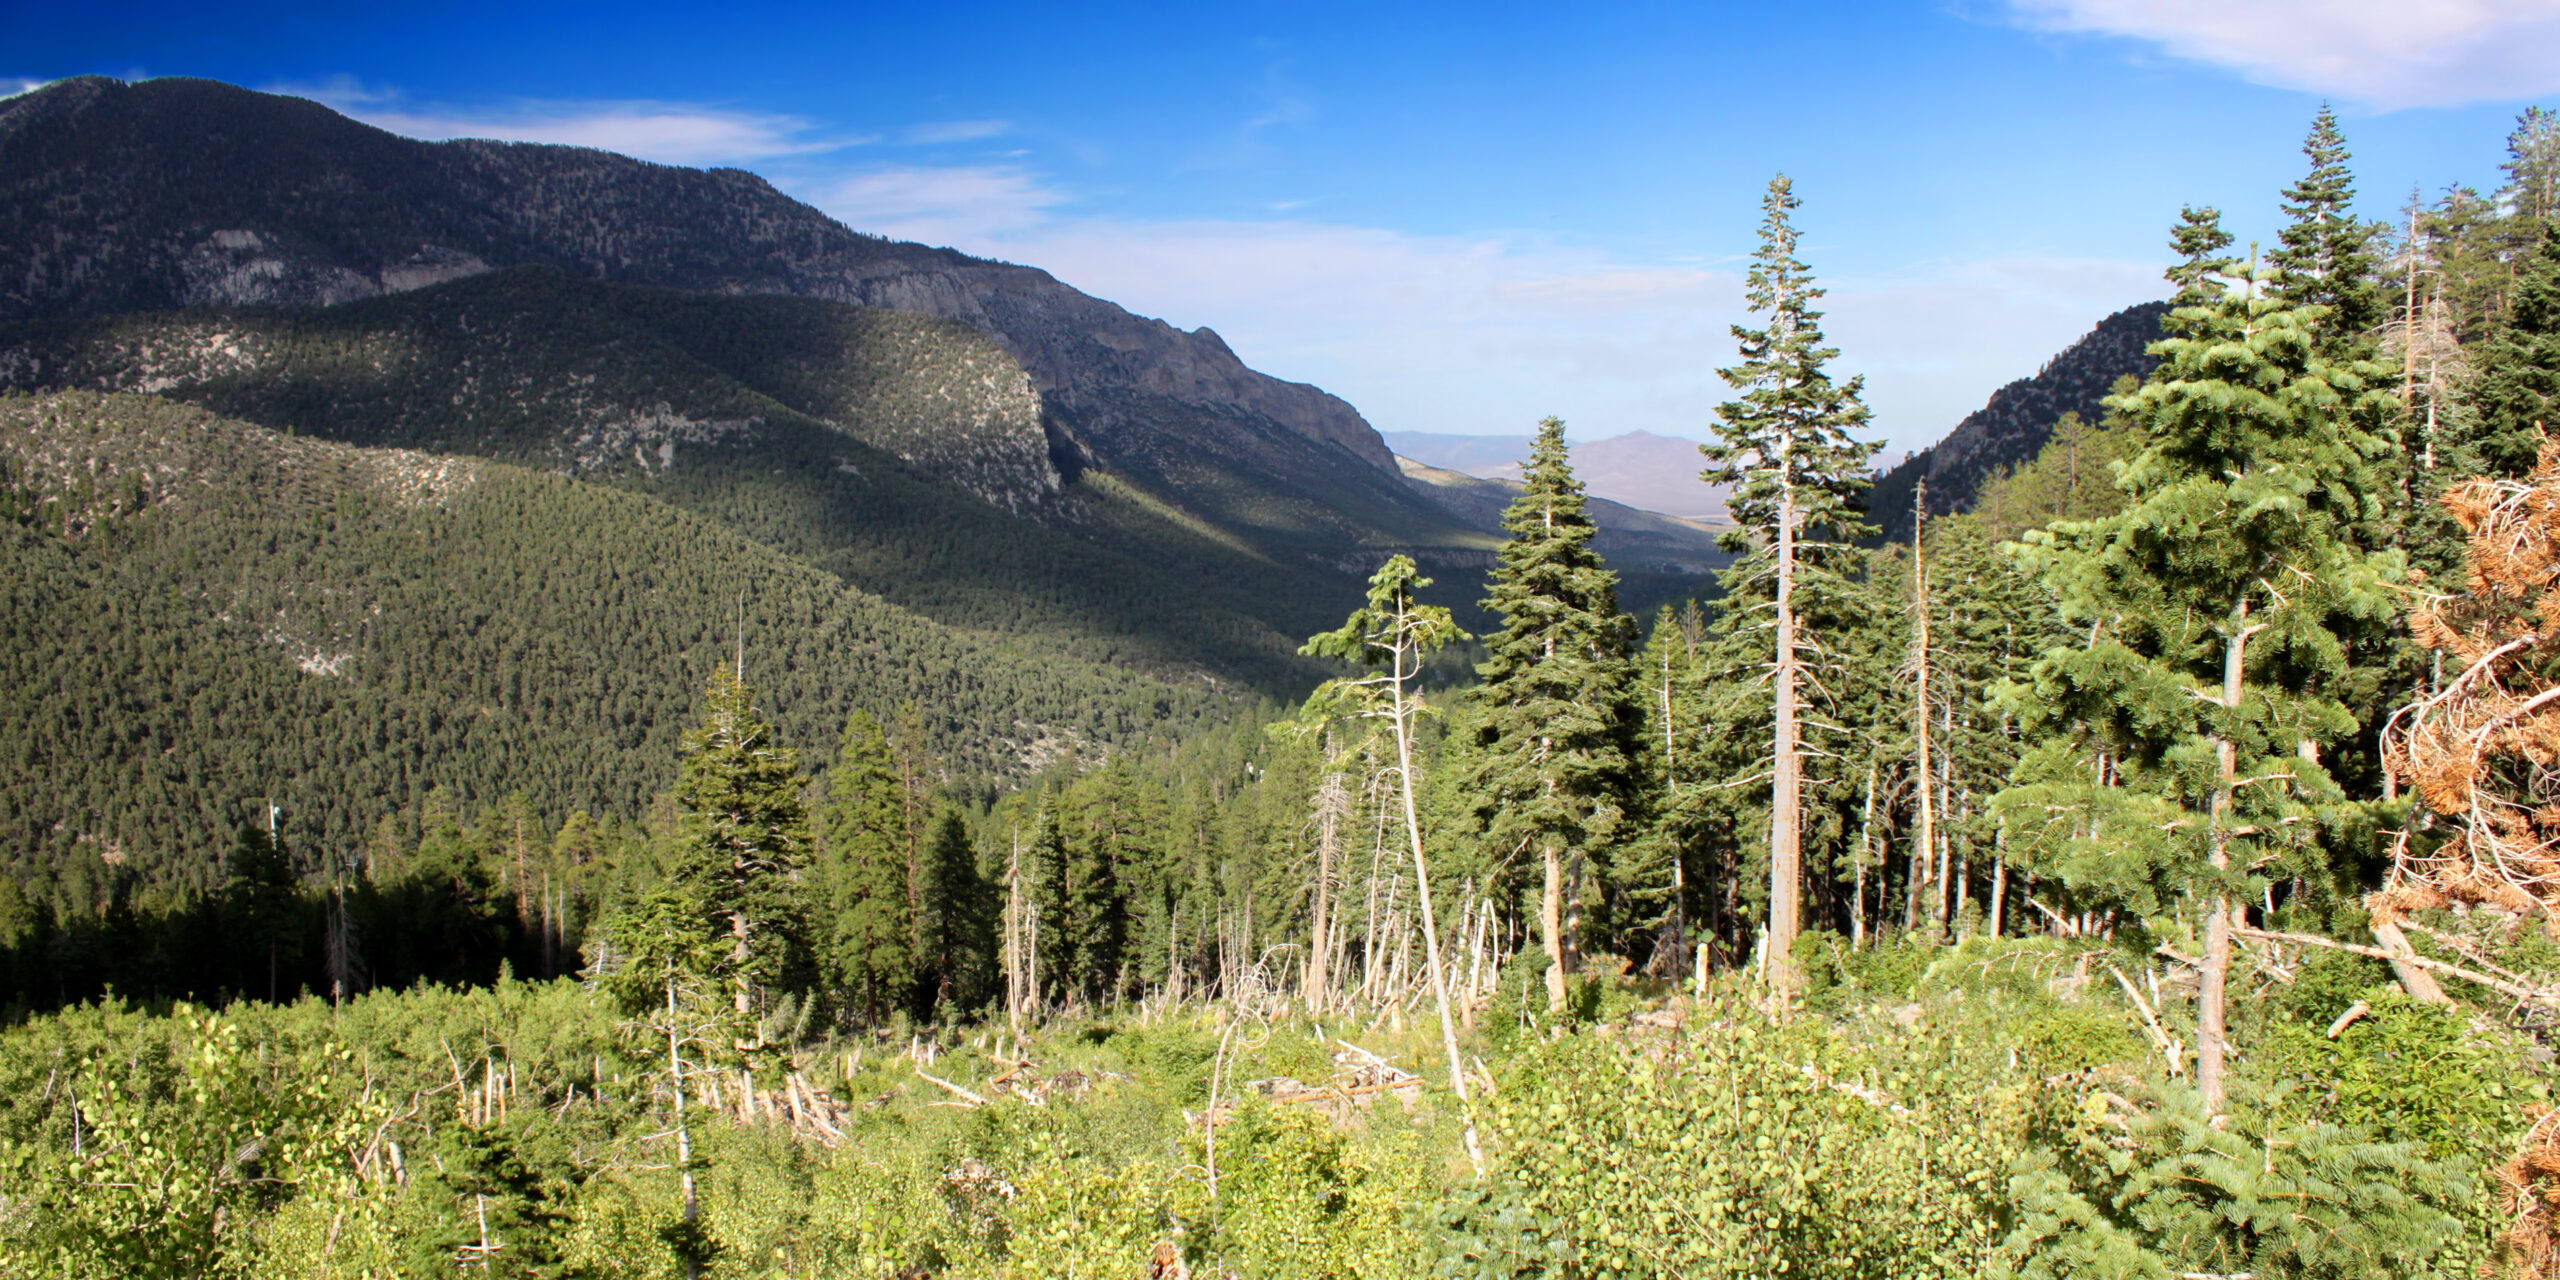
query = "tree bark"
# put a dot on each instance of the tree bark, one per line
(2213, 974)
(1926, 835)
(1551, 926)
(1786, 790)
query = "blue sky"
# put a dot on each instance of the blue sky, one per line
(1461, 217)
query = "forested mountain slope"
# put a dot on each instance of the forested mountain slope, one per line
(204, 612)
(2019, 419)
(909, 455)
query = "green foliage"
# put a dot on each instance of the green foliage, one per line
(2516, 389)
(2160, 1187)
(2262, 457)
(2407, 1072)
(1556, 770)
(347, 631)
(2326, 254)
(1738, 1154)
(168, 1182)
(862, 860)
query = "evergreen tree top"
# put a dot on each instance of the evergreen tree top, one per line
(1789, 436)
(2244, 385)
(738, 786)
(1557, 722)
(2533, 166)
(2326, 254)
(2199, 240)
(1557, 600)
(1391, 625)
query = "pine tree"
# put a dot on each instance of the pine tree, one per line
(2219, 605)
(2531, 196)
(1559, 725)
(2326, 259)
(2514, 393)
(863, 865)
(742, 842)
(1053, 906)
(958, 961)
(1798, 472)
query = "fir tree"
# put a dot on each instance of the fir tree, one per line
(1798, 472)
(2220, 605)
(1558, 725)
(863, 865)
(1054, 906)
(2326, 259)
(957, 964)
(2199, 240)
(742, 842)
(2515, 387)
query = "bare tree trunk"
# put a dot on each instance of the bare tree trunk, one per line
(1786, 790)
(1925, 837)
(1551, 926)
(684, 1138)
(2420, 984)
(2212, 1033)
(1331, 798)
(1430, 927)
(2000, 881)
(1679, 864)
(1858, 898)
(1014, 981)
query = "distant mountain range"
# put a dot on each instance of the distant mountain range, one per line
(1633, 541)
(1638, 469)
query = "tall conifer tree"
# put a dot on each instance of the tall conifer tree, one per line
(2326, 257)
(957, 968)
(1789, 448)
(1559, 725)
(863, 864)
(743, 840)
(2219, 608)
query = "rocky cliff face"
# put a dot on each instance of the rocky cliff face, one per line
(177, 193)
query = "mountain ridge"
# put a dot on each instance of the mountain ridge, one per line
(261, 198)
(2007, 430)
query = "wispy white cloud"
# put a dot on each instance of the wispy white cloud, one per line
(667, 132)
(1489, 333)
(2387, 54)
(1433, 333)
(952, 205)
(12, 86)
(947, 131)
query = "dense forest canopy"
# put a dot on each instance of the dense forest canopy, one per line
(2144, 872)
